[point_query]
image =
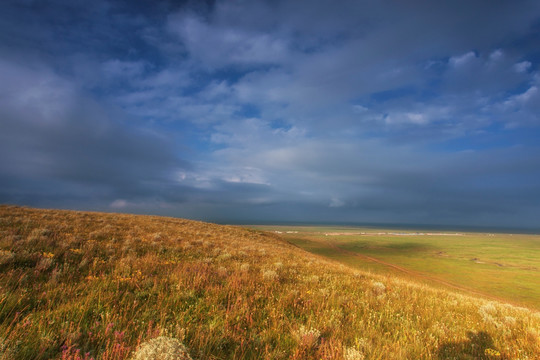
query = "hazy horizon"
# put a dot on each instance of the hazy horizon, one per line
(337, 224)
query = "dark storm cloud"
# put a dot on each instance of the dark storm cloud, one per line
(51, 133)
(377, 111)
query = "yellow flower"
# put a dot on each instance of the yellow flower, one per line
(492, 352)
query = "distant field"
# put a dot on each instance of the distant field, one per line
(498, 266)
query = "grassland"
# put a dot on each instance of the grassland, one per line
(77, 285)
(498, 266)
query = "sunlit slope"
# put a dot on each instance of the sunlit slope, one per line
(77, 285)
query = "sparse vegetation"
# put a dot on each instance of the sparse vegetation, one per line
(76, 285)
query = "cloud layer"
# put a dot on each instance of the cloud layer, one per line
(252, 111)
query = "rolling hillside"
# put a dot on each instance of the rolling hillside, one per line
(79, 285)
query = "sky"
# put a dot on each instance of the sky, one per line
(391, 112)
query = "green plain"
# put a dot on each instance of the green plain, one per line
(505, 267)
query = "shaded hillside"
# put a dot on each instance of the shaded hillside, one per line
(77, 285)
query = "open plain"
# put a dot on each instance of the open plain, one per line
(500, 266)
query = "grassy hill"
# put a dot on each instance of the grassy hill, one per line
(76, 285)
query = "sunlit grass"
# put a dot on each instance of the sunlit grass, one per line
(79, 285)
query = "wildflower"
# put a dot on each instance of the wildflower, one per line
(307, 337)
(492, 353)
(488, 309)
(269, 275)
(352, 354)
(510, 320)
(378, 287)
(48, 255)
(162, 348)
(489, 313)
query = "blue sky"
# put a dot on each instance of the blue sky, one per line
(415, 112)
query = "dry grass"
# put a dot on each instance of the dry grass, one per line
(77, 285)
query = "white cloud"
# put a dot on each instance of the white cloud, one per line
(246, 174)
(216, 91)
(210, 175)
(484, 74)
(417, 118)
(222, 45)
(336, 202)
(496, 55)
(359, 109)
(119, 204)
(462, 60)
(522, 67)
(525, 97)
(522, 99)
(518, 110)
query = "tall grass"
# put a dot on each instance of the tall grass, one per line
(77, 285)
